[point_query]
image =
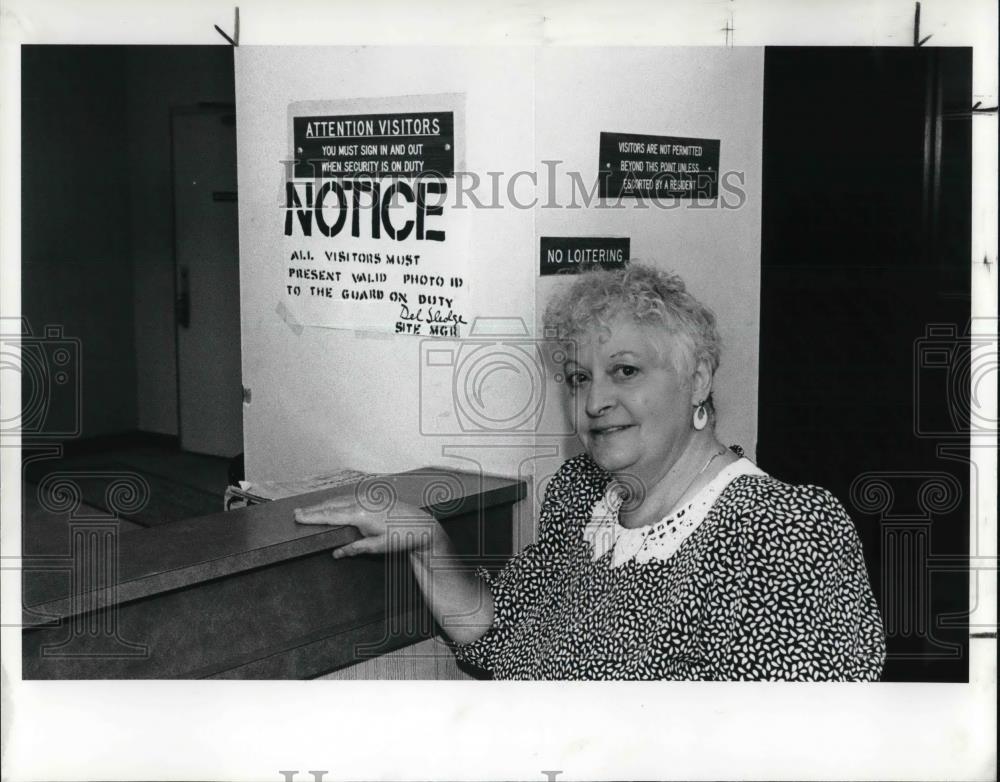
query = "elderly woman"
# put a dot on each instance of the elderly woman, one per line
(661, 553)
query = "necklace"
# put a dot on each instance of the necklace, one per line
(691, 483)
(700, 472)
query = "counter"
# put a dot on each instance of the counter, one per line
(248, 594)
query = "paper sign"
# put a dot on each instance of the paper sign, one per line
(371, 238)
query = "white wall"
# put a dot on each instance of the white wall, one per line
(694, 92)
(325, 398)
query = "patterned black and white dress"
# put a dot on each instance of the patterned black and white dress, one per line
(755, 579)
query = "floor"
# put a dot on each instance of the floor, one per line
(141, 487)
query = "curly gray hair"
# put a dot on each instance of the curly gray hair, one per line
(647, 295)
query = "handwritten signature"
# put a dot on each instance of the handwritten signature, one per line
(432, 315)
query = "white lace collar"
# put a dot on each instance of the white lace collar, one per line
(660, 540)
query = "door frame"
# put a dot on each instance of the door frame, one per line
(185, 110)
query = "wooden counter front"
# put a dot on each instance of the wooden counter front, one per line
(250, 593)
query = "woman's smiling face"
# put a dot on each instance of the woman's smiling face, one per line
(633, 401)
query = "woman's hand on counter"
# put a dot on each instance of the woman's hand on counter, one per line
(409, 529)
(450, 591)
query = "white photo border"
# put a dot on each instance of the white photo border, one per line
(456, 730)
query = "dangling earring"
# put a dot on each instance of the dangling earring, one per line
(700, 416)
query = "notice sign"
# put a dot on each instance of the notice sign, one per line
(371, 238)
(568, 254)
(640, 166)
(375, 145)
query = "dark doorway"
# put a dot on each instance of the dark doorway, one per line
(98, 340)
(865, 306)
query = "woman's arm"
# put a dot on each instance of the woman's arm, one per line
(481, 612)
(461, 603)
